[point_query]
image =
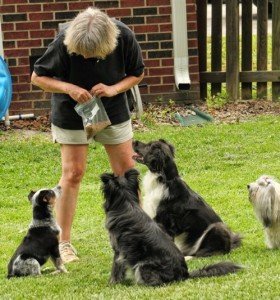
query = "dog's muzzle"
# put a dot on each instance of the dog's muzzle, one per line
(57, 190)
(139, 158)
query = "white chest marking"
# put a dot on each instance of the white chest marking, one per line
(154, 192)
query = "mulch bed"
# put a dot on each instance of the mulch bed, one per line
(164, 114)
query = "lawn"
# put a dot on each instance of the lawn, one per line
(218, 161)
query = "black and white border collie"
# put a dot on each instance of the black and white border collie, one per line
(139, 244)
(195, 227)
(42, 239)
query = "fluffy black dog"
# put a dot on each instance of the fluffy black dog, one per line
(138, 242)
(41, 241)
(195, 227)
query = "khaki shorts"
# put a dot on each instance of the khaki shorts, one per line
(111, 135)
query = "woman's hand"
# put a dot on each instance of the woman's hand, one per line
(79, 94)
(102, 90)
(53, 85)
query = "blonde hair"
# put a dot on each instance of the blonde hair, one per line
(91, 33)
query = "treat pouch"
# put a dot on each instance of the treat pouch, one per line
(94, 116)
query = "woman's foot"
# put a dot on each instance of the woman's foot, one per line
(67, 252)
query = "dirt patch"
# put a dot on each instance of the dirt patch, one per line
(244, 110)
(164, 114)
(41, 123)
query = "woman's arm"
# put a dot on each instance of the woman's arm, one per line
(102, 90)
(53, 85)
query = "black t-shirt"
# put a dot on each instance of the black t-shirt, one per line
(56, 62)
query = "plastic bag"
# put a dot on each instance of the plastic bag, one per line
(94, 116)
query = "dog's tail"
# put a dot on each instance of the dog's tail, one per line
(219, 269)
(236, 240)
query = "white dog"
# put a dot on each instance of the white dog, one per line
(264, 194)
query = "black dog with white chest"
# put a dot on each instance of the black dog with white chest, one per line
(138, 242)
(42, 239)
(195, 227)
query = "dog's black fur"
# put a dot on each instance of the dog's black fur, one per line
(42, 239)
(139, 243)
(181, 212)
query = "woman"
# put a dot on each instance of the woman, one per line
(94, 56)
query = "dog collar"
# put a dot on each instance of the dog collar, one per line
(44, 223)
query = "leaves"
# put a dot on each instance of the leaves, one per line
(162, 114)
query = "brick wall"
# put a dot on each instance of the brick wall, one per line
(29, 25)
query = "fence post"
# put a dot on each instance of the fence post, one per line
(202, 42)
(262, 45)
(232, 43)
(247, 45)
(276, 47)
(216, 43)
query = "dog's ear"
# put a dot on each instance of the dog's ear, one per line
(30, 195)
(109, 189)
(135, 143)
(267, 212)
(132, 177)
(157, 162)
(171, 147)
(139, 147)
(132, 185)
(156, 165)
(109, 183)
(106, 177)
(164, 141)
(44, 196)
(132, 173)
(272, 201)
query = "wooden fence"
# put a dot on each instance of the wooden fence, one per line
(239, 74)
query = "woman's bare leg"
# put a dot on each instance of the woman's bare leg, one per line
(120, 157)
(73, 158)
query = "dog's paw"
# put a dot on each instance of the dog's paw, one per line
(114, 281)
(188, 258)
(62, 270)
(47, 270)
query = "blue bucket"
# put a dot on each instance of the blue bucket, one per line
(5, 88)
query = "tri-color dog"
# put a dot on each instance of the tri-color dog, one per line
(42, 239)
(195, 227)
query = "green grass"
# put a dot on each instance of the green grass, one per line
(218, 161)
